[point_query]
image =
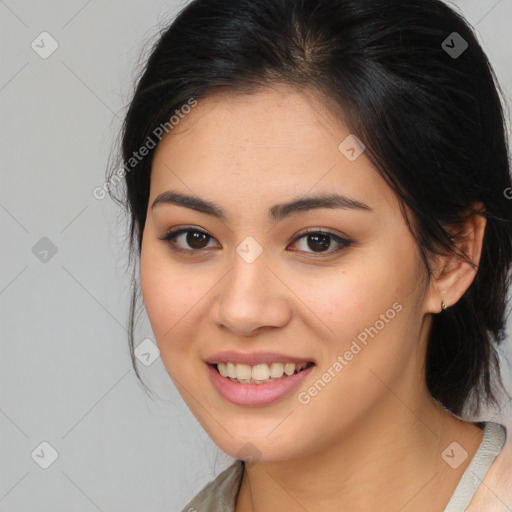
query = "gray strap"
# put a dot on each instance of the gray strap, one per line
(490, 447)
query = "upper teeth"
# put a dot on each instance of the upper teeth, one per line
(259, 371)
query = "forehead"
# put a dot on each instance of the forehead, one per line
(270, 117)
(271, 144)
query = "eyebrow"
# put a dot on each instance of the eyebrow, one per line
(277, 212)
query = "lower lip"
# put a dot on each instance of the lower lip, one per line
(254, 395)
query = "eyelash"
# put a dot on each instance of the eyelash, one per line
(171, 235)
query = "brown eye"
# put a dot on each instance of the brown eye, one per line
(196, 239)
(187, 240)
(320, 242)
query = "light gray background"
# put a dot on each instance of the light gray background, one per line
(65, 371)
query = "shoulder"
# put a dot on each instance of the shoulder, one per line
(220, 494)
(495, 491)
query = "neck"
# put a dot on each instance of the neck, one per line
(391, 460)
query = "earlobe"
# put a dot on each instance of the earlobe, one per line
(455, 273)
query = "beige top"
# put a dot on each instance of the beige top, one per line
(486, 485)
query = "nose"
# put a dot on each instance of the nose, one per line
(251, 298)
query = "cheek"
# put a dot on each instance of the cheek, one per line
(372, 299)
(166, 293)
(349, 301)
(174, 300)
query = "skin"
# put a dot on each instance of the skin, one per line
(372, 439)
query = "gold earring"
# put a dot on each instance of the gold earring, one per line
(443, 305)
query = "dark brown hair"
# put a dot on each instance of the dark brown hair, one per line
(432, 123)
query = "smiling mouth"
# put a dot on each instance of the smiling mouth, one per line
(261, 373)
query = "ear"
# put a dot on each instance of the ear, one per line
(452, 274)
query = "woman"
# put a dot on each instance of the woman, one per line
(317, 191)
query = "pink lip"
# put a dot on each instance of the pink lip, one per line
(254, 395)
(254, 358)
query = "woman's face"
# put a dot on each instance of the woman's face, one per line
(259, 286)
